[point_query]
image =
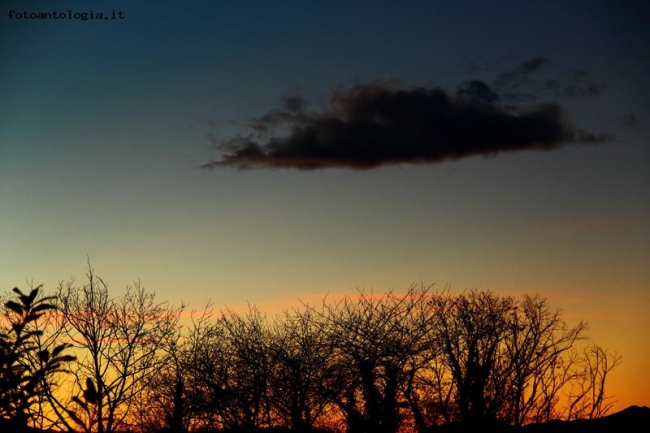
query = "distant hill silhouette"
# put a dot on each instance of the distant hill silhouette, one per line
(630, 420)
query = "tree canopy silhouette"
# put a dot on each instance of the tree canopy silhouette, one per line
(365, 363)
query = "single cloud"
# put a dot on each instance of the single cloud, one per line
(387, 123)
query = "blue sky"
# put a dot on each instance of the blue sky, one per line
(104, 125)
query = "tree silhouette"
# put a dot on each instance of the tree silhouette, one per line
(378, 345)
(299, 350)
(26, 364)
(122, 344)
(509, 361)
(381, 363)
(230, 370)
(469, 329)
(163, 404)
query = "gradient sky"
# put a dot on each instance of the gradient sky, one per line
(105, 125)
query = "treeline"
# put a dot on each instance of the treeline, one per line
(83, 360)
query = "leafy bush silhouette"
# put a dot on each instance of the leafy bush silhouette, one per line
(25, 363)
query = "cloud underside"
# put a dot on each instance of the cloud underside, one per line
(380, 124)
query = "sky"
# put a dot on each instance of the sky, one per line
(272, 152)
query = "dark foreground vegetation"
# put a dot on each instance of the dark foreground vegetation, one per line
(634, 419)
(82, 360)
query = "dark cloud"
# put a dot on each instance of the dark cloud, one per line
(477, 91)
(574, 83)
(531, 81)
(532, 65)
(291, 111)
(517, 83)
(382, 123)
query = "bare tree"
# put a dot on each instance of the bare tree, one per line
(205, 359)
(584, 395)
(230, 370)
(537, 360)
(163, 404)
(470, 329)
(600, 362)
(121, 345)
(376, 344)
(299, 351)
(513, 362)
(250, 369)
(431, 395)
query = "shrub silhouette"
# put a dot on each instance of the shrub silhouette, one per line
(25, 364)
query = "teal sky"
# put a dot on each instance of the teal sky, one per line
(104, 125)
